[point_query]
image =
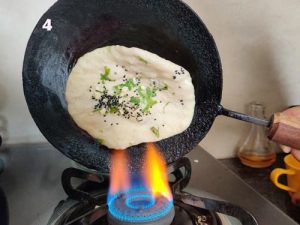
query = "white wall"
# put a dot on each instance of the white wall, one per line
(17, 20)
(259, 44)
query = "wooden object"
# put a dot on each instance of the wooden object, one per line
(285, 130)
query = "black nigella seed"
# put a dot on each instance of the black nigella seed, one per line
(111, 124)
(181, 100)
(174, 77)
(154, 118)
(163, 125)
(104, 121)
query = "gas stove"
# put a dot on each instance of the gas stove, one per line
(87, 203)
(38, 186)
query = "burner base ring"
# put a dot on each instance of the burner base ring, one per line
(165, 220)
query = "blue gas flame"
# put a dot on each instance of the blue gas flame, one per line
(136, 204)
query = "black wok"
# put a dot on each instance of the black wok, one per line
(168, 28)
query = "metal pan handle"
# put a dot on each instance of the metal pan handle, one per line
(244, 117)
(284, 130)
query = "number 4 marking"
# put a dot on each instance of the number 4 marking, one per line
(47, 25)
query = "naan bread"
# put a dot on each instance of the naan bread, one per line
(126, 96)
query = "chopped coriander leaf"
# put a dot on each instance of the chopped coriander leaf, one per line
(117, 89)
(142, 95)
(161, 87)
(155, 131)
(164, 108)
(146, 97)
(135, 100)
(142, 59)
(97, 110)
(150, 103)
(141, 92)
(113, 109)
(104, 76)
(100, 141)
(165, 87)
(150, 92)
(129, 84)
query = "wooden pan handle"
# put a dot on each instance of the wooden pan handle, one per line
(285, 130)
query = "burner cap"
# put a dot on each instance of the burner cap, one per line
(139, 207)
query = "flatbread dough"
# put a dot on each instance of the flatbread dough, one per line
(126, 96)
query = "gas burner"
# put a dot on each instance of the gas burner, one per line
(138, 206)
(87, 204)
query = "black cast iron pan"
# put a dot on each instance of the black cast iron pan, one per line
(168, 28)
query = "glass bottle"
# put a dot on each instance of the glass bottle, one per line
(256, 150)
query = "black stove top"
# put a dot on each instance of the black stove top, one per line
(87, 203)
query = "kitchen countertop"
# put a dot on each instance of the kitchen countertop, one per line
(31, 181)
(259, 179)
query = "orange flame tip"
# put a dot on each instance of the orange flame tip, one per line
(120, 180)
(155, 172)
